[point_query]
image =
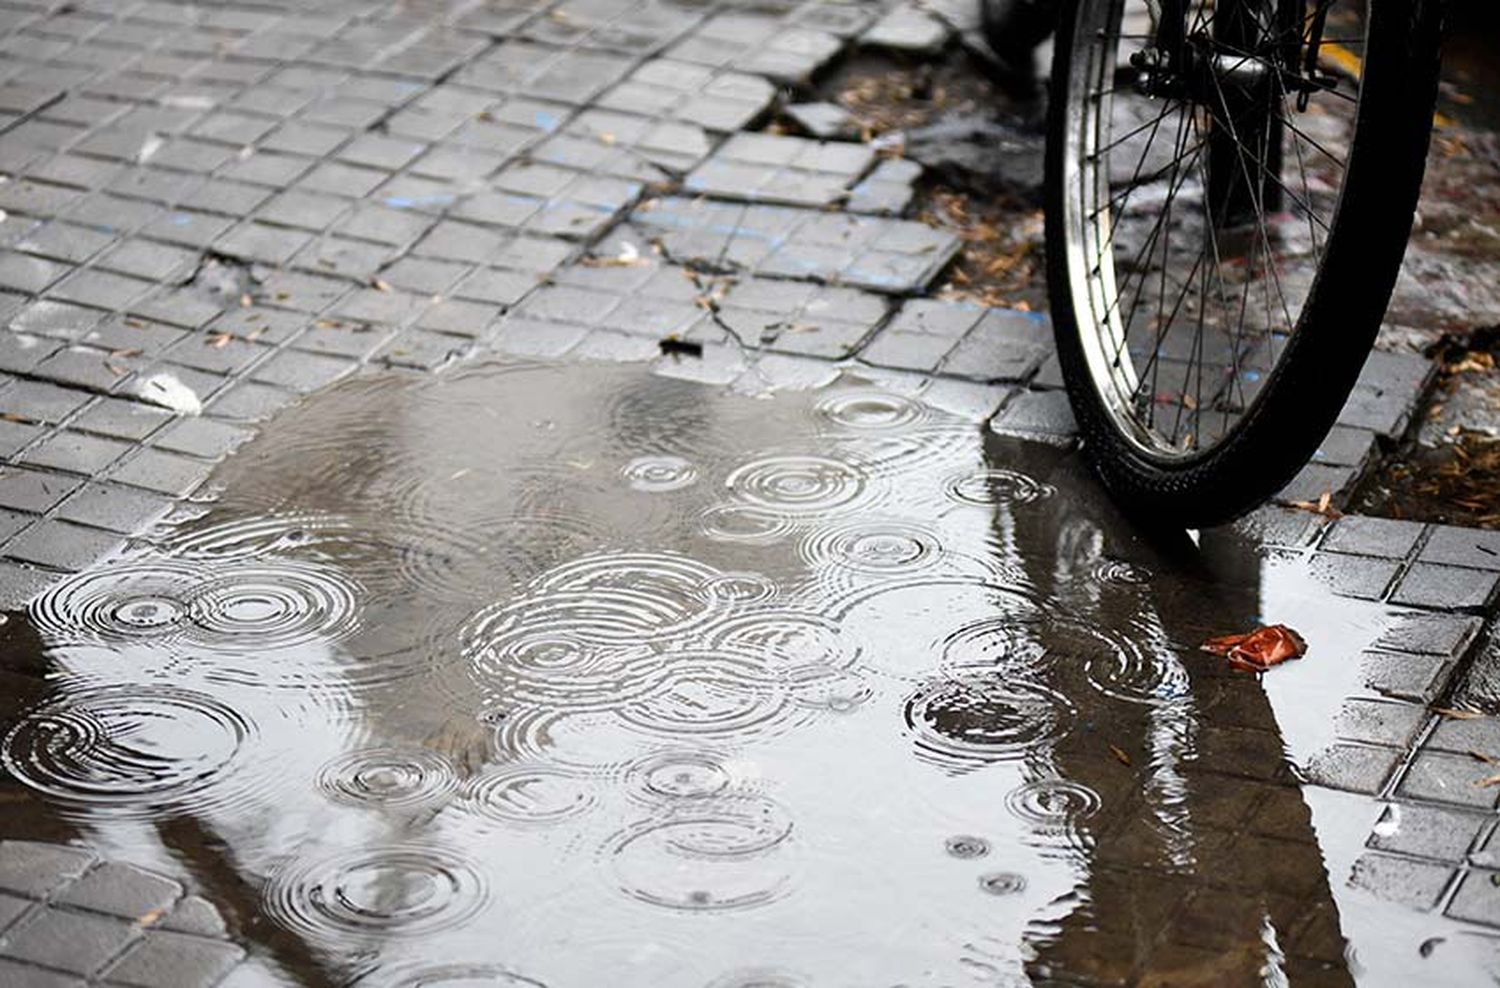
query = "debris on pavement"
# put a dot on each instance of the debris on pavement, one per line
(1258, 650)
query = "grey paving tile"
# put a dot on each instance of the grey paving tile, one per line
(1384, 537)
(548, 200)
(34, 869)
(35, 491)
(126, 510)
(1413, 884)
(1426, 831)
(74, 452)
(814, 320)
(26, 976)
(1354, 768)
(894, 256)
(1045, 416)
(907, 28)
(603, 142)
(61, 545)
(79, 943)
(163, 958)
(760, 45)
(572, 76)
(1448, 588)
(1462, 547)
(780, 169)
(715, 99)
(1444, 778)
(1419, 678)
(121, 890)
(164, 473)
(1478, 898)
(1361, 577)
(1446, 635)
(1005, 345)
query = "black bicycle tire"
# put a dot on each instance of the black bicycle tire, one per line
(1304, 393)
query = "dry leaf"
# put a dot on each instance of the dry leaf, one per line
(1258, 650)
(1480, 756)
(1322, 506)
(218, 340)
(1487, 781)
(1120, 754)
(151, 918)
(1457, 714)
(246, 301)
(380, 285)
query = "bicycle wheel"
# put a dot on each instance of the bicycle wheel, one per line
(1226, 219)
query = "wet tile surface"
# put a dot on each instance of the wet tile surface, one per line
(630, 659)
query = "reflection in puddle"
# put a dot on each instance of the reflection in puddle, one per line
(537, 675)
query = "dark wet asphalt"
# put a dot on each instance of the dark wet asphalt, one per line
(543, 675)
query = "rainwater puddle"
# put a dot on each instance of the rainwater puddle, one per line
(556, 676)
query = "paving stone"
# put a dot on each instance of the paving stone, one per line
(1447, 635)
(12, 908)
(1378, 722)
(1005, 345)
(717, 100)
(164, 473)
(121, 419)
(196, 915)
(543, 72)
(894, 256)
(759, 45)
(163, 958)
(1444, 778)
(1426, 831)
(76, 942)
(61, 545)
(20, 352)
(26, 976)
(548, 200)
(126, 510)
(1316, 479)
(250, 401)
(1361, 577)
(906, 351)
(121, 890)
(907, 28)
(534, 338)
(1478, 898)
(887, 190)
(779, 169)
(1418, 678)
(62, 320)
(1448, 588)
(1042, 416)
(1385, 537)
(1353, 768)
(303, 372)
(1413, 884)
(603, 142)
(85, 368)
(1462, 547)
(33, 869)
(813, 320)
(74, 452)
(35, 491)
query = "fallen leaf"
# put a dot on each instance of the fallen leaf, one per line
(1322, 506)
(151, 918)
(246, 301)
(1487, 782)
(380, 285)
(1457, 714)
(1120, 754)
(133, 351)
(1258, 650)
(218, 340)
(1480, 756)
(116, 369)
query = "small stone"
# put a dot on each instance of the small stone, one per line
(825, 121)
(908, 29)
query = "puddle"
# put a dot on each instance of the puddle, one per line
(539, 675)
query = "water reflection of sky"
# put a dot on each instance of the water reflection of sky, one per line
(565, 674)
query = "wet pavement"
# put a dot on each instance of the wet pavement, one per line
(485, 502)
(569, 673)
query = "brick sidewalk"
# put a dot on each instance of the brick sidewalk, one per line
(213, 211)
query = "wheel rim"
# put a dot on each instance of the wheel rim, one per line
(1183, 315)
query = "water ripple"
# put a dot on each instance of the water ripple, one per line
(984, 717)
(388, 777)
(997, 486)
(530, 794)
(376, 894)
(127, 750)
(718, 855)
(660, 474)
(798, 484)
